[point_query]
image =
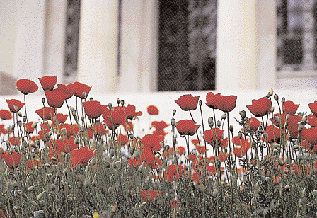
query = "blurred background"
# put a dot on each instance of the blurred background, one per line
(150, 46)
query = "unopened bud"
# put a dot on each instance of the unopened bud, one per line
(277, 119)
(272, 109)
(85, 94)
(19, 114)
(43, 100)
(243, 114)
(283, 100)
(15, 107)
(223, 117)
(110, 106)
(200, 102)
(288, 116)
(24, 119)
(300, 128)
(173, 122)
(118, 101)
(218, 123)
(64, 131)
(122, 102)
(276, 97)
(240, 134)
(231, 128)
(174, 112)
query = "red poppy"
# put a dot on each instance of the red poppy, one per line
(174, 204)
(227, 103)
(310, 135)
(239, 152)
(210, 135)
(14, 105)
(313, 107)
(211, 169)
(80, 90)
(61, 118)
(222, 156)
(26, 86)
(66, 89)
(290, 108)
(201, 149)
(3, 129)
(152, 141)
(114, 118)
(55, 98)
(46, 113)
(128, 127)
(71, 130)
(195, 141)
(15, 141)
(99, 129)
(44, 135)
(133, 162)
(66, 145)
(173, 173)
(45, 126)
(122, 140)
(274, 134)
(292, 125)
(33, 163)
(12, 160)
(160, 133)
(245, 144)
(81, 155)
(180, 150)
(5, 115)
(254, 123)
(312, 120)
(152, 110)
(224, 143)
(187, 127)
(159, 125)
(94, 109)
(280, 118)
(149, 195)
(48, 82)
(213, 100)
(29, 128)
(130, 112)
(260, 107)
(187, 102)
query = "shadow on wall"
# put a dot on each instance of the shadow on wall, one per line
(7, 84)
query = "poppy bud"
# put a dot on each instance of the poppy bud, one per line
(85, 94)
(118, 101)
(300, 128)
(43, 100)
(64, 131)
(277, 119)
(240, 134)
(243, 114)
(174, 112)
(231, 128)
(173, 123)
(110, 106)
(19, 114)
(218, 123)
(200, 102)
(276, 97)
(223, 117)
(24, 119)
(272, 109)
(210, 122)
(288, 116)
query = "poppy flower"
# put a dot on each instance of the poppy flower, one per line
(227, 103)
(44, 135)
(48, 82)
(80, 90)
(245, 144)
(239, 152)
(211, 169)
(313, 107)
(15, 141)
(149, 195)
(213, 100)
(310, 135)
(312, 120)
(94, 109)
(174, 204)
(277, 118)
(65, 145)
(152, 141)
(71, 130)
(134, 162)
(14, 105)
(195, 141)
(222, 156)
(210, 135)
(159, 125)
(5, 115)
(99, 129)
(274, 134)
(114, 118)
(254, 123)
(46, 113)
(81, 155)
(29, 128)
(289, 107)
(66, 89)
(3, 130)
(201, 149)
(260, 107)
(180, 150)
(128, 127)
(12, 160)
(187, 102)
(122, 140)
(186, 127)
(152, 110)
(130, 112)
(55, 98)
(292, 125)
(26, 86)
(33, 163)
(61, 118)
(224, 143)
(173, 173)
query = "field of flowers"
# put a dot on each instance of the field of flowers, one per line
(92, 161)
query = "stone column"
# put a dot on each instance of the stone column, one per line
(236, 64)
(98, 45)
